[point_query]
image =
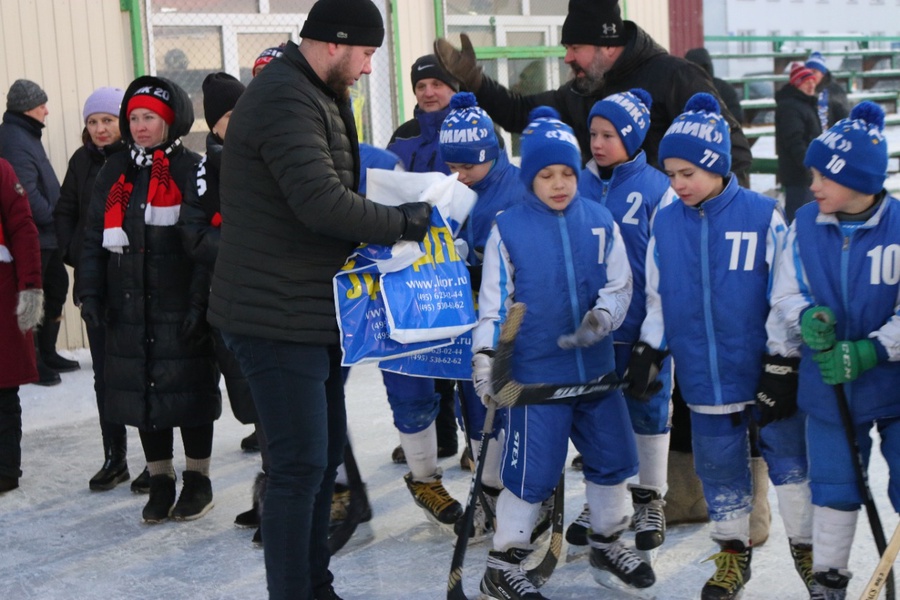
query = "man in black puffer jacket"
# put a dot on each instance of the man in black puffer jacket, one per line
(607, 56)
(290, 218)
(796, 125)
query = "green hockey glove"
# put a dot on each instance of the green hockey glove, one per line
(846, 361)
(817, 328)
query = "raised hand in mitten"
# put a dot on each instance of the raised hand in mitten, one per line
(460, 63)
(776, 393)
(29, 308)
(596, 325)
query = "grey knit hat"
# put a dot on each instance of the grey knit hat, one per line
(23, 95)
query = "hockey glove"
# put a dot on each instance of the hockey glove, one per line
(643, 371)
(459, 63)
(418, 220)
(29, 308)
(482, 362)
(90, 312)
(846, 361)
(776, 394)
(817, 328)
(596, 325)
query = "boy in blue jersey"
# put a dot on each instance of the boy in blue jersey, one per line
(470, 148)
(619, 178)
(709, 264)
(563, 256)
(837, 289)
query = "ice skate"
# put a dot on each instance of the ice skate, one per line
(577, 531)
(482, 526)
(648, 522)
(802, 555)
(732, 572)
(617, 567)
(436, 501)
(505, 577)
(830, 585)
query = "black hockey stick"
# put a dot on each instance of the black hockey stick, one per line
(862, 477)
(357, 511)
(540, 574)
(454, 581)
(467, 427)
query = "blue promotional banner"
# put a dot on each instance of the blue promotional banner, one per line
(448, 362)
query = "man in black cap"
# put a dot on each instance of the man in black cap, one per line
(607, 55)
(20, 144)
(290, 217)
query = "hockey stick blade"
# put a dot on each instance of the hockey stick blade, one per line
(883, 570)
(540, 574)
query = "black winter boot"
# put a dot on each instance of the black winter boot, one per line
(47, 335)
(196, 497)
(250, 518)
(162, 499)
(46, 375)
(115, 469)
(141, 483)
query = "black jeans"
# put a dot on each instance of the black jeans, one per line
(55, 280)
(197, 442)
(10, 433)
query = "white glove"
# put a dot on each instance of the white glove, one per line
(481, 375)
(30, 308)
(596, 325)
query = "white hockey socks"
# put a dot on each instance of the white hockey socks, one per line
(421, 452)
(515, 521)
(492, 460)
(732, 529)
(653, 457)
(796, 511)
(610, 507)
(833, 532)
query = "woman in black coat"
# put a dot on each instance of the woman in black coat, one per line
(101, 138)
(137, 278)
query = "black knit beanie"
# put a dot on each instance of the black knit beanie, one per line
(594, 22)
(220, 93)
(427, 67)
(350, 22)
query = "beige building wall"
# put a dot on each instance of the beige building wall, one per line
(652, 16)
(70, 48)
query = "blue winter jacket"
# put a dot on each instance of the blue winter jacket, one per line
(20, 144)
(710, 275)
(417, 142)
(858, 276)
(560, 264)
(633, 194)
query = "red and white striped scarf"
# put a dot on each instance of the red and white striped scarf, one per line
(163, 196)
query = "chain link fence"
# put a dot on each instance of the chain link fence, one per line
(518, 42)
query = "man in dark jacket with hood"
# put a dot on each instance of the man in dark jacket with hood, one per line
(20, 144)
(701, 57)
(796, 125)
(290, 218)
(607, 55)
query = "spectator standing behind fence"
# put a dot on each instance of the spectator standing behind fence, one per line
(796, 125)
(20, 144)
(726, 91)
(136, 277)
(101, 139)
(21, 308)
(832, 104)
(290, 218)
(607, 55)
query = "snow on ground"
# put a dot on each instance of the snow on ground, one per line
(60, 541)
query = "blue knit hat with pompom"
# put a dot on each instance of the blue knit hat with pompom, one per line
(699, 135)
(467, 133)
(853, 151)
(629, 113)
(547, 141)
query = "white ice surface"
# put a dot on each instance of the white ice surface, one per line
(59, 541)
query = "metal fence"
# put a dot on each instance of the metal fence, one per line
(517, 42)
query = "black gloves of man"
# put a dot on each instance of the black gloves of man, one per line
(91, 312)
(776, 394)
(418, 220)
